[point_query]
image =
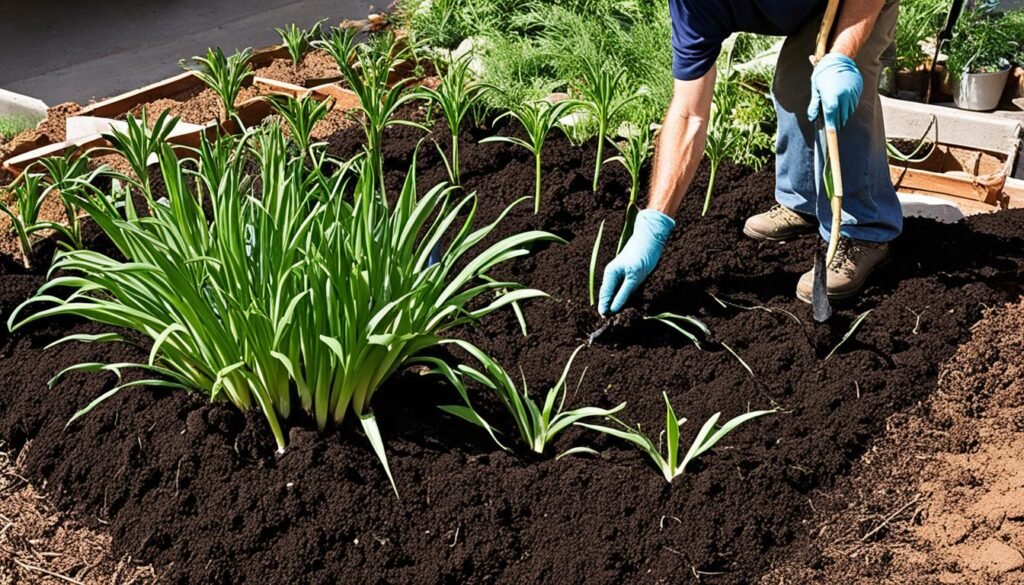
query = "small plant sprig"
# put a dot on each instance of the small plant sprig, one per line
(366, 68)
(724, 138)
(28, 199)
(301, 115)
(137, 143)
(602, 90)
(538, 119)
(673, 463)
(298, 41)
(538, 424)
(456, 96)
(592, 274)
(634, 152)
(224, 75)
(68, 175)
(677, 322)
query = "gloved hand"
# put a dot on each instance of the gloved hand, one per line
(836, 85)
(636, 260)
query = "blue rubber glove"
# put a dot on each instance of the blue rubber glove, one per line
(836, 85)
(636, 261)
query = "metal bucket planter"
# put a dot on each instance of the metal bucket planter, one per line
(980, 91)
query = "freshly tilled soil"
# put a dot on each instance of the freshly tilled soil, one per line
(197, 490)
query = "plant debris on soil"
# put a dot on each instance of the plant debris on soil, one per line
(939, 499)
(196, 489)
(39, 544)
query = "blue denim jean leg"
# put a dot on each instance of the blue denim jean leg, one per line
(871, 210)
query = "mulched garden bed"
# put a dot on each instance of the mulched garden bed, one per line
(196, 489)
(315, 65)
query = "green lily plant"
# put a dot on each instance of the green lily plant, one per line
(273, 284)
(28, 201)
(298, 41)
(538, 118)
(455, 96)
(602, 91)
(225, 76)
(538, 424)
(673, 462)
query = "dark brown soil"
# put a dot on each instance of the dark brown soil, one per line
(196, 490)
(940, 498)
(315, 65)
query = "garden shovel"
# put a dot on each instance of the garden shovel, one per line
(828, 141)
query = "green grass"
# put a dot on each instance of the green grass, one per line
(543, 46)
(535, 48)
(11, 126)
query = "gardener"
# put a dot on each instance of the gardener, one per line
(843, 87)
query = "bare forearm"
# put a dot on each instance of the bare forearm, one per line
(680, 144)
(854, 24)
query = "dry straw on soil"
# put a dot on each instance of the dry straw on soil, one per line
(39, 544)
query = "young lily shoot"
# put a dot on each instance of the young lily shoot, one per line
(455, 96)
(538, 119)
(602, 91)
(634, 152)
(538, 423)
(298, 41)
(28, 201)
(673, 461)
(225, 76)
(367, 69)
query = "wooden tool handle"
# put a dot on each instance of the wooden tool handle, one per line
(821, 47)
(832, 142)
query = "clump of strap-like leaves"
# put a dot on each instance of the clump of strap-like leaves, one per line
(303, 286)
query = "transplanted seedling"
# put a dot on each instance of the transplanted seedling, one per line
(633, 153)
(602, 90)
(28, 200)
(538, 119)
(137, 143)
(673, 462)
(301, 115)
(224, 75)
(68, 175)
(366, 68)
(724, 138)
(456, 96)
(538, 423)
(297, 41)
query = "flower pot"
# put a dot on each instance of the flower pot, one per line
(912, 84)
(980, 91)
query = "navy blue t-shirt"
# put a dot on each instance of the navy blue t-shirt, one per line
(700, 26)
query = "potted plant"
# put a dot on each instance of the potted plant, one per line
(918, 25)
(979, 56)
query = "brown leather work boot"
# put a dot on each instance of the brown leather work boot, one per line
(779, 223)
(853, 262)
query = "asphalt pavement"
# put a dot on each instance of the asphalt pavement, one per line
(66, 50)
